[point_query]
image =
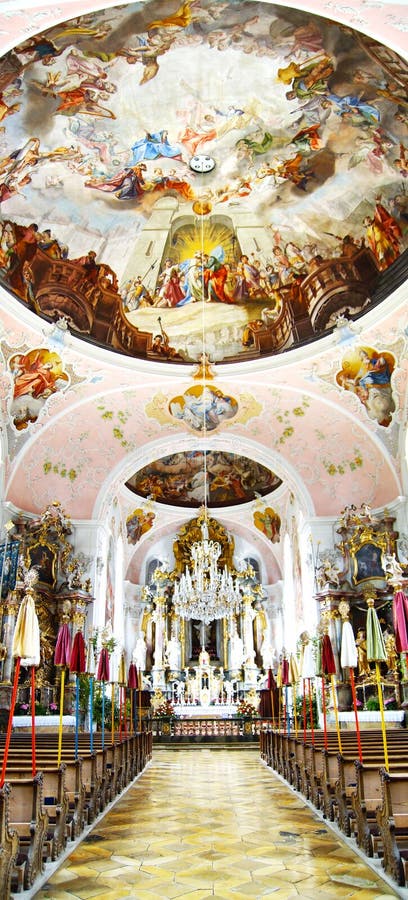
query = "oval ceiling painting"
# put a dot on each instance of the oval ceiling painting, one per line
(168, 171)
(179, 479)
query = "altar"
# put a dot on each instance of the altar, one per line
(204, 687)
(216, 711)
(43, 723)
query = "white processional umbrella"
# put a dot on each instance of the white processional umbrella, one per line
(348, 660)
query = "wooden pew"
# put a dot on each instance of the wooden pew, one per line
(346, 784)
(392, 820)
(365, 800)
(29, 819)
(8, 844)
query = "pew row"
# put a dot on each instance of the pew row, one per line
(39, 814)
(365, 800)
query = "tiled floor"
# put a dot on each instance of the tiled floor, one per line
(216, 824)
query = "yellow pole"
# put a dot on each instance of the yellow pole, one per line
(294, 695)
(61, 712)
(113, 713)
(140, 699)
(336, 712)
(381, 702)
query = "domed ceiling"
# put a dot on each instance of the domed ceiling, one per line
(181, 205)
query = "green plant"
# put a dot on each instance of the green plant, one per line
(299, 710)
(84, 689)
(97, 710)
(372, 704)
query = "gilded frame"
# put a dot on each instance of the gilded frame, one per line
(367, 556)
(44, 556)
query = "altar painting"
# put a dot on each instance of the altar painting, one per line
(368, 562)
(100, 120)
(180, 479)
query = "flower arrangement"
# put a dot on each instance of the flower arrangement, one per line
(247, 708)
(103, 638)
(24, 709)
(390, 703)
(164, 709)
(160, 705)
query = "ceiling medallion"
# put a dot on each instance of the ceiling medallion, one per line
(202, 164)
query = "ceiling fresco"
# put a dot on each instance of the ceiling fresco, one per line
(180, 479)
(301, 211)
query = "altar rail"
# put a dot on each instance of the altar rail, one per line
(216, 730)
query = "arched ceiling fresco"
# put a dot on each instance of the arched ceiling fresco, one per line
(306, 122)
(186, 479)
(301, 211)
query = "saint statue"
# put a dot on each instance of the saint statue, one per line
(237, 649)
(139, 652)
(173, 654)
(361, 644)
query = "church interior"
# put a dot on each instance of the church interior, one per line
(204, 528)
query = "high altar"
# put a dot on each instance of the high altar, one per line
(200, 663)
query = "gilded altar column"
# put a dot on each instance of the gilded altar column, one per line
(159, 619)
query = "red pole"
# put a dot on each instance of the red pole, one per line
(33, 754)
(311, 710)
(354, 695)
(324, 712)
(304, 710)
(10, 721)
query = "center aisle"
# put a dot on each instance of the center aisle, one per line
(212, 823)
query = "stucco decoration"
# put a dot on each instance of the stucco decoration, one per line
(101, 116)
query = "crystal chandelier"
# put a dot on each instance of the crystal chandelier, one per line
(203, 591)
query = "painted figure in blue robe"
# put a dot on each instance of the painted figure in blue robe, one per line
(154, 145)
(352, 106)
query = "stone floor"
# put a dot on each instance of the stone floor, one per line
(212, 823)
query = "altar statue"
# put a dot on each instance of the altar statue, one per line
(268, 654)
(204, 658)
(237, 649)
(229, 691)
(173, 654)
(139, 652)
(361, 644)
